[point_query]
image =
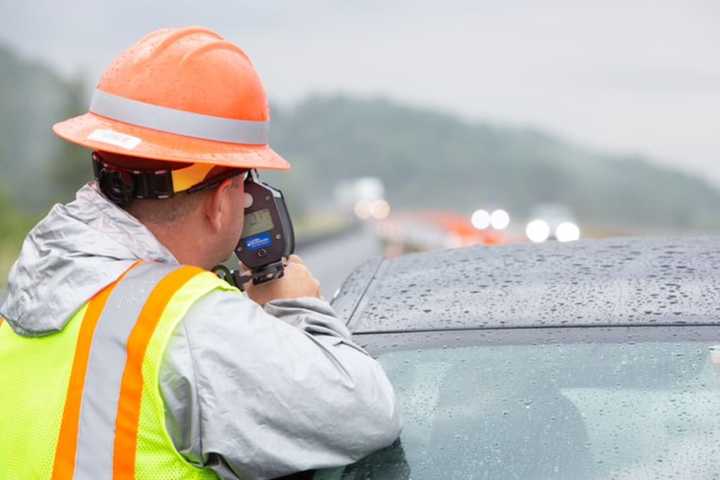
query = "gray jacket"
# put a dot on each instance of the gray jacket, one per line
(250, 392)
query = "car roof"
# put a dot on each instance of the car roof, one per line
(611, 282)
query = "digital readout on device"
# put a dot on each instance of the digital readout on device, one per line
(256, 222)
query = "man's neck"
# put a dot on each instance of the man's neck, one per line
(184, 243)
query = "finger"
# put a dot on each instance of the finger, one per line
(295, 259)
(294, 267)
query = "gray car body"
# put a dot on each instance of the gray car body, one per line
(589, 283)
(614, 291)
(249, 392)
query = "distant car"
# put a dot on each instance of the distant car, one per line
(552, 222)
(586, 360)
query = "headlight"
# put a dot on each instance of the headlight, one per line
(362, 209)
(567, 232)
(537, 231)
(480, 219)
(500, 219)
(380, 209)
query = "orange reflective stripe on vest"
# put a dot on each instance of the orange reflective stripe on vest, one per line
(128, 414)
(64, 466)
(85, 402)
(99, 427)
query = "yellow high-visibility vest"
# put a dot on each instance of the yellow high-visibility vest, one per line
(85, 403)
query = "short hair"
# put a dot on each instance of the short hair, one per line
(166, 210)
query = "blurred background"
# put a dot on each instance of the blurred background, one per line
(411, 125)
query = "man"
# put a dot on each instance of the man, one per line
(122, 356)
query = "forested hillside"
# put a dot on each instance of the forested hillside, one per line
(430, 159)
(32, 98)
(426, 159)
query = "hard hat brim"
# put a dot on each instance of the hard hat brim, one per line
(100, 133)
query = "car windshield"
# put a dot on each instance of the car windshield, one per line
(636, 410)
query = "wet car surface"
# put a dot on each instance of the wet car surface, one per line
(595, 359)
(590, 282)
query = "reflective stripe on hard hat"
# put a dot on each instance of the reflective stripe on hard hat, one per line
(179, 122)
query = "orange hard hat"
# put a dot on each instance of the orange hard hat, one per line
(180, 95)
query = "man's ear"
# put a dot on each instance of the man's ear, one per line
(218, 204)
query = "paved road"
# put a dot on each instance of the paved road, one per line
(332, 261)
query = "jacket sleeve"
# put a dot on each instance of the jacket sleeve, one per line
(263, 393)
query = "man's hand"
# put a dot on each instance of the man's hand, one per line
(297, 282)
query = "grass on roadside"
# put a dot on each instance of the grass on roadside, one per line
(13, 228)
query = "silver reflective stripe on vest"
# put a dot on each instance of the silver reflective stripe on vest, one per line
(106, 364)
(180, 122)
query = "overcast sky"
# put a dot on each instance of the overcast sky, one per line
(625, 76)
